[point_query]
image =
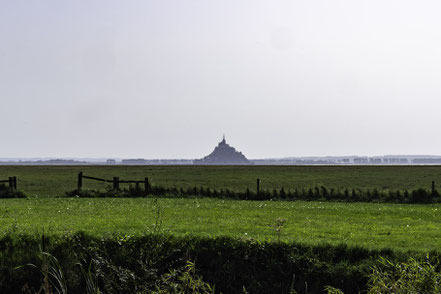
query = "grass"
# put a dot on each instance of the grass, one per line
(52, 181)
(370, 225)
(399, 227)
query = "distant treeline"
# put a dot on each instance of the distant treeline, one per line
(317, 193)
(46, 162)
(353, 160)
(348, 161)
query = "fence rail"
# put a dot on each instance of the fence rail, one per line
(115, 181)
(12, 181)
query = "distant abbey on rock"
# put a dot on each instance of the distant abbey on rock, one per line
(223, 154)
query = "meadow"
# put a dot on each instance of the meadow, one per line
(54, 181)
(263, 246)
(370, 225)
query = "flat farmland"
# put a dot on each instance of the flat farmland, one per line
(370, 225)
(54, 181)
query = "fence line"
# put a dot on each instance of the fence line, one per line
(115, 181)
(12, 181)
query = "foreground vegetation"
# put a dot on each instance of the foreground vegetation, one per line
(53, 181)
(370, 225)
(158, 263)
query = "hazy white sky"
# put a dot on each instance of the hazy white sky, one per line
(165, 79)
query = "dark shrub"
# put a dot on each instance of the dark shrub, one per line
(6, 192)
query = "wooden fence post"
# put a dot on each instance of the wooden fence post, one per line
(258, 187)
(116, 183)
(146, 185)
(15, 183)
(11, 183)
(80, 181)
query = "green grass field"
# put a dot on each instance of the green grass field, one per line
(53, 181)
(370, 225)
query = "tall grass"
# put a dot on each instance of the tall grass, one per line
(166, 264)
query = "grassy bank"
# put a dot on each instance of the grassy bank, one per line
(146, 264)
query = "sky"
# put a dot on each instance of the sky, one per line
(166, 79)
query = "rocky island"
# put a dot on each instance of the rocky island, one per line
(223, 154)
